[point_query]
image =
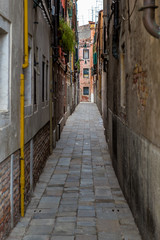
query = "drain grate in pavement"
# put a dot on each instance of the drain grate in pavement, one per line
(104, 201)
(55, 185)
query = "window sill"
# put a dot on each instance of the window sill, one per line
(35, 108)
(43, 104)
(28, 110)
(4, 119)
(123, 108)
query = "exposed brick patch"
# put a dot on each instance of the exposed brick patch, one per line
(140, 86)
(27, 173)
(5, 197)
(16, 186)
(41, 153)
(60, 93)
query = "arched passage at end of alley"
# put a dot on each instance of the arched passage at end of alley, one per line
(78, 195)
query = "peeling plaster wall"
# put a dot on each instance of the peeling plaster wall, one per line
(133, 130)
(86, 35)
(9, 132)
(39, 36)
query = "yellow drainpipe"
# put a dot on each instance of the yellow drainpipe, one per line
(22, 87)
(25, 64)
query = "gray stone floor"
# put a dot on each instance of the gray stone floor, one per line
(78, 196)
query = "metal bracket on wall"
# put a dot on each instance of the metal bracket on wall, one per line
(147, 6)
(105, 56)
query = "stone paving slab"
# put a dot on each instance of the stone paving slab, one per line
(78, 196)
(86, 237)
(62, 238)
(40, 230)
(36, 237)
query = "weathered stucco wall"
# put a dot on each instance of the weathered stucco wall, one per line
(84, 82)
(133, 122)
(100, 82)
(86, 35)
(9, 132)
(36, 115)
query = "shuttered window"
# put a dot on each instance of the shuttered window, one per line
(86, 91)
(86, 72)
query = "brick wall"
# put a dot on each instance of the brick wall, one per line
(16, 186)
(41, 153)
(5, 216)
(27, 173)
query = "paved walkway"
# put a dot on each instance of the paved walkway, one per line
(78, 196)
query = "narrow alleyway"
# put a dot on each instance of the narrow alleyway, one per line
(78, 196)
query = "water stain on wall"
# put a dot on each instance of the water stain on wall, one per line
(140, 85)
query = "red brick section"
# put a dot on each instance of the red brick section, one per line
(4, 197)
(16, 186)
(27, 173)
(59, 91)
(41, 153)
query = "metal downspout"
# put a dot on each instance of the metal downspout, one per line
(22, 90)
(149, 18)
(25, 64)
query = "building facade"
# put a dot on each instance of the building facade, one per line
(130, 106)
(86, 36)
(34, 97)
(98, 67)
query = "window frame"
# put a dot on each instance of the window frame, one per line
(87, 74)
(5, 64)
(85, 50)
(28, 76)
(5, 78)
(84, 94)
(43, 78)
(28, 79)
(35, 87)
(47, 81)
(122, 76)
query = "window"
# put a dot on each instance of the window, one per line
(28, 78)
(47, 81)
(86, 72)
(85, 53)
(4, 64)
(36, 61)
(123, 77)
(43, 72)
(48, 4)
(86, 91)
(35, 83)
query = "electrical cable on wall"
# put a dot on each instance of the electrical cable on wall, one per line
(131, 11)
